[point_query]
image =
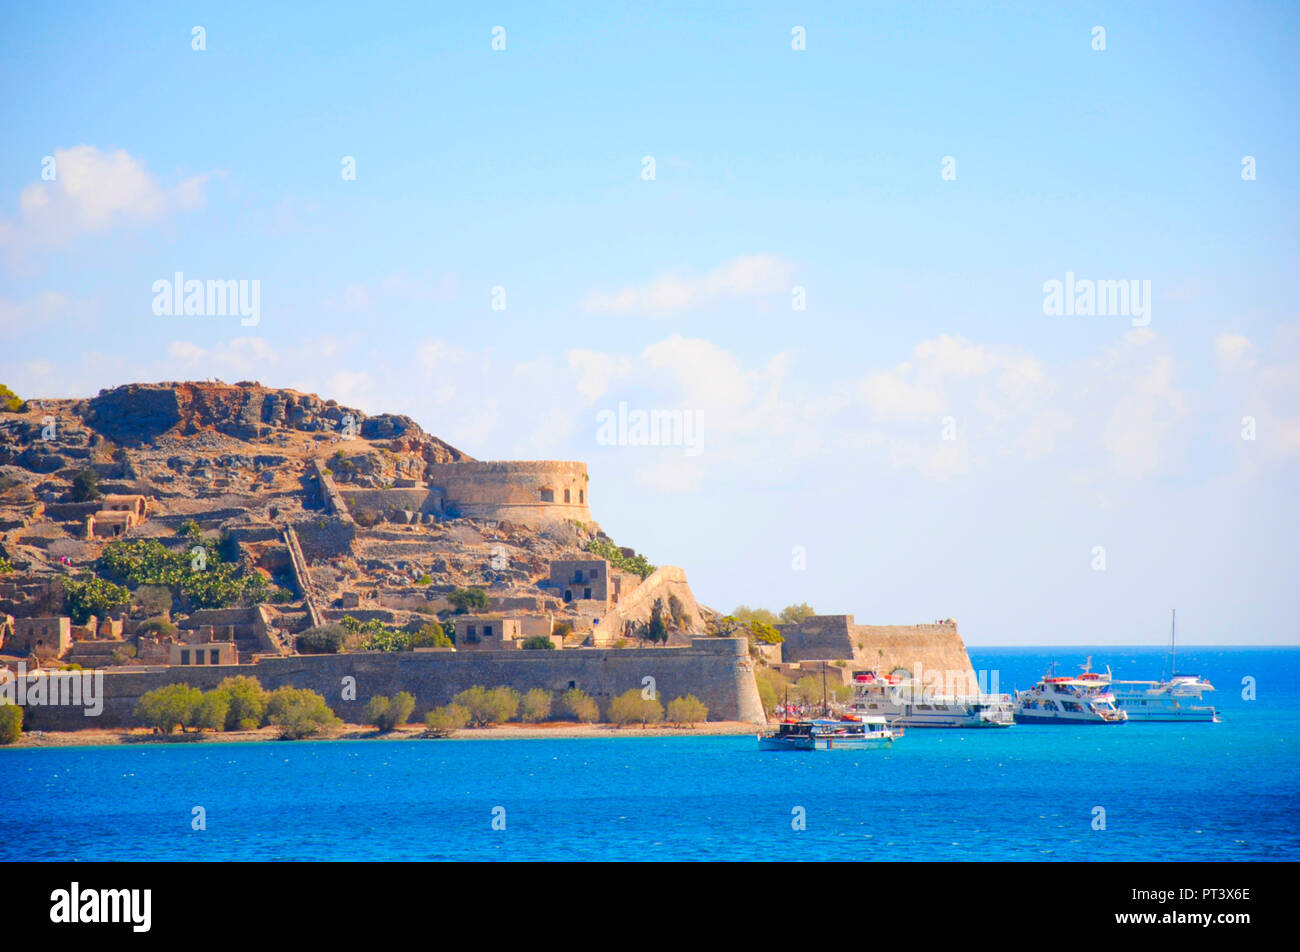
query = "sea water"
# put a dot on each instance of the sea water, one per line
(1134, 791)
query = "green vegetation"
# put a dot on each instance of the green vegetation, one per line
(536, 706)
(793, 614)
(772, 686)
(211, 711)
(298, 712)
(245, 703)
(324, 639)
(6, 566)
(432, 635)
(631, 708)
(157, 628)
(204, 581)
(468, 601)
(87, 595)
(10, 402)
(539, 643)
(85, 486)
(387, 713)
(581, 705)
(687, 711)
(441, 721)
(153, 599)
(11, 723)
(489, 707)
(605, 549)
(374, 635)
(167, 708)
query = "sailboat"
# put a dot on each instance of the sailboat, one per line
(1170, 700)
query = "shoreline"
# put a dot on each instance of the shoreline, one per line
(140, 736)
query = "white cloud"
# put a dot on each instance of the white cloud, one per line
(92, 192)
(242, 358)
(742, 277)
(1234, 352)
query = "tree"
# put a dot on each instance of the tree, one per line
(538, 643)
(166, 708)
(793, 614)
(656, 630)
(441, 721)
(245, 703)
(11, 723)
(153, 599)
(631, 708)
(468, 600)
(85, 486)
(157, 628)
(299, 712)
(772, 687)
(536, 706)
(747, 615)
(687, 710)
(387, 713)
(212, 710)
(581, 705)
(765, 633)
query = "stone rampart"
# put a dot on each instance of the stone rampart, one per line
(527, 491)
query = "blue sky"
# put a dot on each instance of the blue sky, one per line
(775, 168)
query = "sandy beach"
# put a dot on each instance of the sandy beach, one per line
(516, 731)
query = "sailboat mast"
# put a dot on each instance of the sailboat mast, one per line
(1173, 642)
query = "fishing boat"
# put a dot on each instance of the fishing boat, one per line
(1171, 700)
(830, 734)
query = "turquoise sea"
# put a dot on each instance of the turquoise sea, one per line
(1228, 791)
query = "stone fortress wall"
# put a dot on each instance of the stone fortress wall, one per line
(916, 649)
(527, 491)
(716, 670)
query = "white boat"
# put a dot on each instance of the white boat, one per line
(905, 703)
(1171, 700)
(1084, 699)
(830, 734)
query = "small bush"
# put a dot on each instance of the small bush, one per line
(581, 705)
(539, 643)
(85, 486)
(299, 712)
(471, 600)
(167, 708)
(536, 706)
(489, 707)
(631, 708)
(246, 703)
(687, 710)
(387, 713)
(157, 628)
(325, 639)
(11, 723)
(153, 599)
(432, 635)
(444, 720)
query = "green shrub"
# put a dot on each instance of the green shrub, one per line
(11, 723)
(212, 711)
(444, 720)
(153, 599)
(325, 639)
(169, 707)
(245, 703)
(536, 706)
(489, 707)
(386, 713)
(85, 485)
(539, 643)
(10, 401)
(471, 600)
(299, 712)
(609, 551)
(432, 635)
(88, 595)
(581, 705)
(772, 687)
(687, 710)
(631, 708)
(157, 628)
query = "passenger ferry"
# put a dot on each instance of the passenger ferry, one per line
(905, 703)
(1166, 700)
(1085, 699)
(830, 734)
